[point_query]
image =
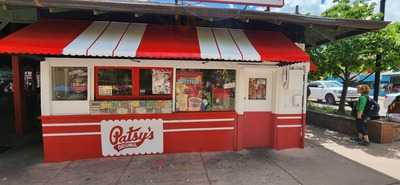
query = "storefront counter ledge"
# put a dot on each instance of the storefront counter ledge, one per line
(100, 117)
(380, 131)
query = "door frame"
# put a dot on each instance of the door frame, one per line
(255, 105)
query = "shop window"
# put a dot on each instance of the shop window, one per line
(132, 83)
(205, 90)
(114, 82)
(69, 83)
(257, 89)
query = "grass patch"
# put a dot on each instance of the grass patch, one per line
(325, 108)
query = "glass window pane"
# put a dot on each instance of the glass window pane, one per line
(155, 81)
(205, 90)
(257, 88)
(115, 82)
(69, 83)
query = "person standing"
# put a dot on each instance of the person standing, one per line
(361, 117)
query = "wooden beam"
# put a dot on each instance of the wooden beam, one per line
(183, 10)
(3, 24)
(17, 77)
(59, 10)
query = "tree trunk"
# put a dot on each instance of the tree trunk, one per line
(377, 82)
(343, 96)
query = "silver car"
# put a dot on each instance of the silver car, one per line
(330, 91)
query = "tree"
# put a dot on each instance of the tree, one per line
(348, 58)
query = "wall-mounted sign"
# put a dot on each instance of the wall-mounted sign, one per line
(270, 3)
(130, 137)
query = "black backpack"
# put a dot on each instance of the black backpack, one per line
(372, 109)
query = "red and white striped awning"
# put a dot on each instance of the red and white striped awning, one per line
(136, 40)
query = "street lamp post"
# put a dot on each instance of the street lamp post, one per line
(378, 60)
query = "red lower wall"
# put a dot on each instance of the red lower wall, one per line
(78, 136)
(75, 146)
(65, 148)
(257, 129)
(288, 131)
(198, 141)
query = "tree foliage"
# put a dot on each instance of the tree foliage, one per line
(347, 58)
(359, 9)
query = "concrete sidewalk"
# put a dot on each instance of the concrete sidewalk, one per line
(314, 165)
(381, 157)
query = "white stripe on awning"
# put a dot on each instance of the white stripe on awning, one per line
(85, 40)
(130, 42)
(226, 44)
(105, 44)
(247, 49)
(208, 46)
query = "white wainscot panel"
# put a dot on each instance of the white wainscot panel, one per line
(69, 107)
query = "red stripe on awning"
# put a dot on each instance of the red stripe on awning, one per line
(274, 46)
(172, 42)
(46, 37)
(51, 37)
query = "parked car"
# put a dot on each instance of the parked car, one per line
(389, 98)
(393, 113)
(330, 91)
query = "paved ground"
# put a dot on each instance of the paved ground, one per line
(381, 157)
(314, 165)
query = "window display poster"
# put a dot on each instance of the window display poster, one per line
(78, 80)
(161, 81)
(257, 88)
(188, 90)
(69, 83)
(105, 90)
(221, 99)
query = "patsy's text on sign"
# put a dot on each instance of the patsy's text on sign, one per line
(131, 137)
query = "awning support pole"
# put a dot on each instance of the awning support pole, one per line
(18, 95)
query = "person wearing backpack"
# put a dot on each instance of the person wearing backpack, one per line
(361, 116)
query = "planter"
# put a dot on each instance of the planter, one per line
(380, 131)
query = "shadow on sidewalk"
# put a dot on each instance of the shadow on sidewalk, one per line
(321, 136)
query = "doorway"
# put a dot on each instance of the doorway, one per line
(257, 107)
(11, 133)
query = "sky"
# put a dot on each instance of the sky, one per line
(314, 7)
(392, 10)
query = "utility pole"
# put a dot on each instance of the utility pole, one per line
(378, 61)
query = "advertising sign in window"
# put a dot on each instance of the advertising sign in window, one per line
(257, 88)
(69, 83)
(188, 90)
(205, 90)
